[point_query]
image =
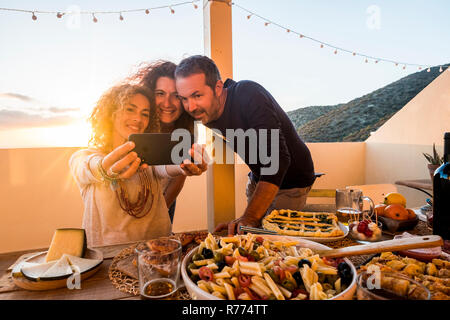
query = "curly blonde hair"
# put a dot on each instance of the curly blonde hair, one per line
(110, 102)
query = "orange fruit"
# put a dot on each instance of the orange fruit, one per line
(396, 212)
(411, 213)
(379, 209)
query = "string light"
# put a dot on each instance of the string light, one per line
(195, 6)
(366, 61)
(94, 18)
(428, 70)
(171, 10)
(147, 11)
(34, 17)
(121, 17)
(404, 67)
(440, 69)
(322, 43)
(59, 15)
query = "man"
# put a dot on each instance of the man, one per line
(247, 105)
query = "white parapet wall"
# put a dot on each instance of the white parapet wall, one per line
(39, 195)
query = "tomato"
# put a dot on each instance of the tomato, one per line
(280, 273)
(292, 269)
(252, 296)
(241, 258)
(205, 273)
(296, 292)
(229, 260)
(244, 280)
(238, 291)
(250, 258)
(260, 240)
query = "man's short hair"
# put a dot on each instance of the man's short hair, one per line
(197, 65)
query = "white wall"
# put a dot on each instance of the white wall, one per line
(394, 151)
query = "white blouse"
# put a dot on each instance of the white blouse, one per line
(104, 220)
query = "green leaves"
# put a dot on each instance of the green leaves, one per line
(435, 158)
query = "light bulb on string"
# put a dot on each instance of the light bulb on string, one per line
(266, 24)
(147, 11)
(195, 6)
(335, 51)
(404, 67)
(420, 68)
(321, 45)
(301, 36)
(440, 69)
(429, 69)
(59, 15)
(94, 18)
(376, 61)
(354, 54)
(34, 17)
(249, 16)
(171, 10)
(121, 17)
(366, 61)
(288, 30)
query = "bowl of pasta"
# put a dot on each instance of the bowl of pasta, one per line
(265, 267)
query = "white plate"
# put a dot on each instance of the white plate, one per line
(198, 294)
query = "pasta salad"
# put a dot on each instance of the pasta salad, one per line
(251, 267)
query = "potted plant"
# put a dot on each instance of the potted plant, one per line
(434, 161)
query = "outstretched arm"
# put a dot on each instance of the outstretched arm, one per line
(263, 196)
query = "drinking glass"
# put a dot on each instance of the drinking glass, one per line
(349, 205)
(158, 267)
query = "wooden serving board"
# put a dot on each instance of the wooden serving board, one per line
(26, 284)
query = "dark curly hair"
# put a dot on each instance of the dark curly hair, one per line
(148, 74)
(110, 102)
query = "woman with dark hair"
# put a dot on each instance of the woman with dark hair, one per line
(123, 200)
(159, 77)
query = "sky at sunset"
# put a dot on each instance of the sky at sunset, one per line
(53, 70)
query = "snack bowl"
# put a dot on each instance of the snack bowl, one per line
(389, 286)
(198, 294)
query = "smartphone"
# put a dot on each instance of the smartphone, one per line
(159, 149)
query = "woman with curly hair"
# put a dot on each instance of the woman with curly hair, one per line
(159, 77)
(123, 198)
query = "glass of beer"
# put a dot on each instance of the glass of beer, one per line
(158, 267)
(349, 205)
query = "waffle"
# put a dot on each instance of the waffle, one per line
(304, 224)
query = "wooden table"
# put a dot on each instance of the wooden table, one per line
(421, 185)
(97, 287)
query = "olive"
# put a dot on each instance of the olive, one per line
(198, 256)
(195, 277)
(218, 257)
(304, 261)
(321, 277)
(289, 285)
(273, 275)
(207, 253)
(242, 251)
(192, 266)
(298, 277)
(345, 273)
(255, 255)
(220, 265)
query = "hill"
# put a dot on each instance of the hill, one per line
(355, 120)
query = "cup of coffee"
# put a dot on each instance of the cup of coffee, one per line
(158, 267)
(349, 205)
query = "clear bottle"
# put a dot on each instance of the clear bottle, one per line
(441, 194)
